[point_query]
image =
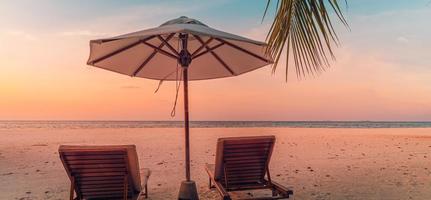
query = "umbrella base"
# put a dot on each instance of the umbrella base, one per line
(188, 191)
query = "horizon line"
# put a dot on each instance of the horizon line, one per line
(115, 120)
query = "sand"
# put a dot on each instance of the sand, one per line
(316, 163)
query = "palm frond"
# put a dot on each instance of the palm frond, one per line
(305, 29)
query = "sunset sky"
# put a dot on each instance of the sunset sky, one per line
(382, 71)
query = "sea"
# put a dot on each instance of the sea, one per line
(209, 124)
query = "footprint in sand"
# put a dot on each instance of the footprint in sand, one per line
(6, 174)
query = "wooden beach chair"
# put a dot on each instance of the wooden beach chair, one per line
(104, 172)
(241, 164)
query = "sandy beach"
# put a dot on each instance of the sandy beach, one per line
(316, 163)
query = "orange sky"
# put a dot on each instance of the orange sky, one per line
(43, 76)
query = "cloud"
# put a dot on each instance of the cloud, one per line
(85, 33)
(403, 40)
(131, 18)
(21, 34)
(130, 87)
(258, 32)
(127, 19)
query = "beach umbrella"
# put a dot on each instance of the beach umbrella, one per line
(181, 49)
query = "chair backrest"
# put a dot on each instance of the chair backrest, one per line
(243, 161)
(102, 171)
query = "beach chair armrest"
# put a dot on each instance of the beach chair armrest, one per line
(221, 190)
(145, 175)
(209, 168)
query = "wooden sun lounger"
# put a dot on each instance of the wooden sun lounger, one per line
(104, 172)
(241, 164)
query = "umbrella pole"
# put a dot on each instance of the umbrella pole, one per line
(186, 121)
(188, 189)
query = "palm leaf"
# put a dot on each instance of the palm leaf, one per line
(305, 29)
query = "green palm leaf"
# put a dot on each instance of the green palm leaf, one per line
(304, 27)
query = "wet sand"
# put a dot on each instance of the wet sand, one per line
(316, 163)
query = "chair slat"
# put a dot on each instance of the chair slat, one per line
(94, 152)
(91, 174)
(102, 189)
(258, 162)
(106, 192)
(244, 150)
(245, 154)
(99, 178)
(94, 157)
(97, 166)
(250, 158)
(104, 161)
(244, 167)
(101, 186)
(102, 182)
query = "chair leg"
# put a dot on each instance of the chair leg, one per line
(146, 191)
(274, 192)
(72, 188)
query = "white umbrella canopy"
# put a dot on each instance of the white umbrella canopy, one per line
(153, 53)
(200, 51)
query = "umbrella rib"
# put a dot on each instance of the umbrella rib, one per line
(119, 51)
(223, 63)
(160, 50)
(208, 50)
(202, 46)
(244, 50)
(215, 55)
(165, 42)
(147, 60)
